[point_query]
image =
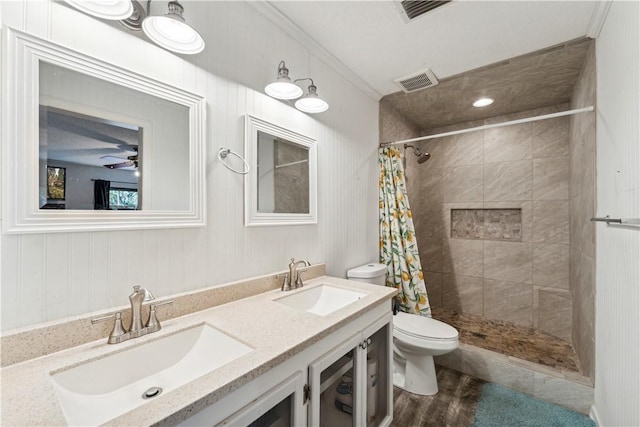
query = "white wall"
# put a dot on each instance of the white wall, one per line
(49, 276)
(617, 382)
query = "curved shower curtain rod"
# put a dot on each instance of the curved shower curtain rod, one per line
(496, 125)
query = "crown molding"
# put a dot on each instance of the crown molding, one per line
(272, 13)
(598, 17)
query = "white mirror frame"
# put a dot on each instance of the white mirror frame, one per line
(20, 145)
(252, 216)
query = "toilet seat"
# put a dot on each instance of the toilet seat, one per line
(422, 327)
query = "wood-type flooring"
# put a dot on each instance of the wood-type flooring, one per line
(453, 406)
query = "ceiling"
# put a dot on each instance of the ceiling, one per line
(524, 83)
(78, 139)
(524, 54)
(371, 40)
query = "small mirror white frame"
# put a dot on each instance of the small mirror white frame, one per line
(253, 216)
(20, 143)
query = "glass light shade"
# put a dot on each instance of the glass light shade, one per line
(173, 34)
(483, 102)
(105, 9)
(282, 88)
(312, 103)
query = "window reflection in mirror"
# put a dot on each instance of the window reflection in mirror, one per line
(89, 150)
(283, 175)
(107, 134)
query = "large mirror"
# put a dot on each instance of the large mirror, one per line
(91, 146)
(281, 186)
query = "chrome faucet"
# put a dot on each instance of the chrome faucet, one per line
(293, 280)
(137, 298)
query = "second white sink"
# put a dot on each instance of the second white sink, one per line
(322, 299)
(103, 389)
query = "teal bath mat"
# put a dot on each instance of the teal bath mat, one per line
(502, 407)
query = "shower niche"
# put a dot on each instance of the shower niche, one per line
(487, 224)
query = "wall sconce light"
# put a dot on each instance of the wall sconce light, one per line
(283, 88)
(311, 102)
(172, 32)
(169, 31)
(104, 9)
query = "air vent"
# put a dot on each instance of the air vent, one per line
(411, 9)
(417, 81)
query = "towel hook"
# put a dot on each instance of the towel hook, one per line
(222, 155)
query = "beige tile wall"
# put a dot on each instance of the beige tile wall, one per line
(582, 206)
(545, 168)
(523, 166)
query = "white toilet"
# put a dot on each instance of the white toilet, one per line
(416, 340)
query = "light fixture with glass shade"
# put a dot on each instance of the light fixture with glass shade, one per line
(172, 32)
(311, 102)
(169, 30)
(104, 9)
(282, 87)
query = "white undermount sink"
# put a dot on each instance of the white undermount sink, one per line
(321, 300)
(103, 389)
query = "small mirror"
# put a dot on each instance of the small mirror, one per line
(92, 146)
(280, 187)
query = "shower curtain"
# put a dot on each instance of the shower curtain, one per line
(398, 246)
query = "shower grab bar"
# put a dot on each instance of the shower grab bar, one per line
(621, 221)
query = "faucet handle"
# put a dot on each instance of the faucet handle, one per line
(298, 282)
(118, 333)
(153, 324)
(286, 283)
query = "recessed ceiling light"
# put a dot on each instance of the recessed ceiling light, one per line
(483, 102)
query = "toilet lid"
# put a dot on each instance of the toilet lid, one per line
(426, 327)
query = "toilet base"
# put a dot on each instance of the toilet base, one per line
(415, 374)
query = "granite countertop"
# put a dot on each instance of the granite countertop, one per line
(275, 332)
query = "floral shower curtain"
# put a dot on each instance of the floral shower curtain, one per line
(398, 246)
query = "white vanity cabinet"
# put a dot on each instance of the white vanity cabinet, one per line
(351, 384)
(281, 406)
(300, 391)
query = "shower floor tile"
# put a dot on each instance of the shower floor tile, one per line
(511, 340)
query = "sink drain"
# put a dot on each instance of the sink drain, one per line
(152, 392)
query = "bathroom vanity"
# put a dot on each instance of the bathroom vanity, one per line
(276, 358)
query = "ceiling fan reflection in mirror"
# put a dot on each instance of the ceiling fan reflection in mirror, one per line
(130, 163)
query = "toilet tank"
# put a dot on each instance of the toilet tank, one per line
(369, 273)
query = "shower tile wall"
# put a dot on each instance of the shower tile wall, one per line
(523, 167)
(582, 206)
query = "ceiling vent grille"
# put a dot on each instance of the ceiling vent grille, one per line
(411, 9)
(417, 81)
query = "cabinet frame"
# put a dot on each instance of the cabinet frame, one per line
(358, 344)
(292, 386)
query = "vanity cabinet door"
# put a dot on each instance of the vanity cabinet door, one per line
(351, 385)
(378, 372)
(281, 406)
(333, 387)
